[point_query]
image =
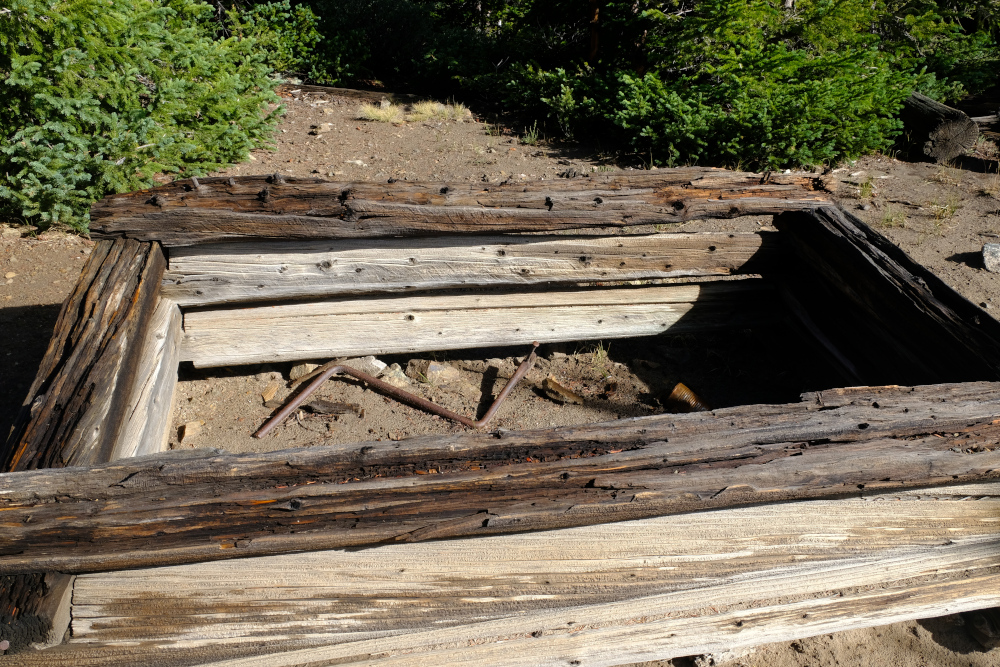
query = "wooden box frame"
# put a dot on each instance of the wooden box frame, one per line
(76, 501)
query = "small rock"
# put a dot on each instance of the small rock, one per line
(301, 370)
(327, 111)
(270, 391)
(865, 207)
(991, 257)
(983, 304)
(9, 275)
(321, 128)
(433, 372)
(190, 430)
(369, 365)
(395, 376)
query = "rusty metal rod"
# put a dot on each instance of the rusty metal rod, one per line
(404, 396)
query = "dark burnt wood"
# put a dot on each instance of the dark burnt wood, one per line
(196, 506)
(191, 212)
(76, 405)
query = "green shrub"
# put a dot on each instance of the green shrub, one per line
(97, 96)
(288, 37)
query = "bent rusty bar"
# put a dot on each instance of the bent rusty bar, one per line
(404, 396)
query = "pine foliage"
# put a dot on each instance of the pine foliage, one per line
(97, 96)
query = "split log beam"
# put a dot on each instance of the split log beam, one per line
(814, 558)
(270, 271)
(151, 403)
(185, 507)
(907, 322)
(936, 131)
(78, 405)
(386, 325)
(209, 210)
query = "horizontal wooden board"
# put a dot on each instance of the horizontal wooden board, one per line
(383, 325)
(190, 212)
(608, 594)
(262, 271)
(196, 506)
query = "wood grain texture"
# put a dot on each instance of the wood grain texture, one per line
(278, 207)
(150, 405)
(908, 324)
(936, 131)
(388, 325)
(77, 405)
(607, 594)
(184, 507)
(276, 270)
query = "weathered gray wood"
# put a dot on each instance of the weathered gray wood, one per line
(150, 406)
(905, 323)
(184, 507)
(333, 597)
(937, 131)
(384, 325)
(608, 594)
(262, 271)
(231, 209)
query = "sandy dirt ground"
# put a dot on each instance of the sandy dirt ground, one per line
(940, 215)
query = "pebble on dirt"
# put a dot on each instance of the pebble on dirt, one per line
(189, 430)
(991, 257)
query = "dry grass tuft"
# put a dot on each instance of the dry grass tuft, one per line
(430, 110)
(381, 113)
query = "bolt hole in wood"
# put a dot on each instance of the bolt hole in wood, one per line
(749, 324)
(731, 339)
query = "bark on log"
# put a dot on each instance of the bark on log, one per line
(187, 507)
(78, 404)
(196, 211)
(936, 131)
(905, 323)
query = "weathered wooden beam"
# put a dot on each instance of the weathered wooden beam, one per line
(229, 209)
(184, 507)
(653, 588)
(150, 405)
(906, 321)
(78, 405)
(386, 325)
(271, 271)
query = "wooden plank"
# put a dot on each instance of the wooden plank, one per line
(76, 407)
(233, 272)
(190, 506)
(679, 585)
(209, 210)
(150, 406)
(915, 328)
(385, 325)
